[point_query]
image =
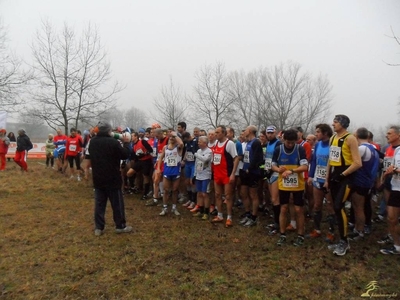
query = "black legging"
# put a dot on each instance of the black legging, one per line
(340, 192)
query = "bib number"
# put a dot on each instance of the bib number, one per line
(172, 161)
(268, 164)
(246, 158)
(72, 148)
(334, 153)
(292, 181)
(320, 172)
(217, 159)
(154, 154)
(199, 166)
(189, 156)
(387, 162)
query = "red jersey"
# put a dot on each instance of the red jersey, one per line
(59, 140)
(74, 145)
(222, 165)
(141, 151)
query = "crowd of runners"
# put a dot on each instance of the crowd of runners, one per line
(283, 174)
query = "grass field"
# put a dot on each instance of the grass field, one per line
(48, 251)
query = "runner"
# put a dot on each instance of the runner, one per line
(290, 161)
(225, 162)
(344, 160)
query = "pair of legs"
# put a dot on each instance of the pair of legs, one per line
(318, 195)
(249, 192)
(49, 160)
(2, 161)
(340, 191)
(203, 201)
(393, 210)
(274, 193)
(299, 210)
(223, 187)
(20, 159)
(171, 185)
(117, 205)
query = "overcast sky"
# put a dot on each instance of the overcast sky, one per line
(149, 41)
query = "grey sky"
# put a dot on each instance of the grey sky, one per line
(149, 41)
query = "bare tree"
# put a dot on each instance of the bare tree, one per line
(397, 40)
(135, 118)
(13, 78)
(242, 103)
(286, 97)
(213, 104)
(172, 106)
(73, 77)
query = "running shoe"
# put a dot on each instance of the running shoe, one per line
(282, 240)
(299, 241)
(390, 250)
(217, 219)
(228, 223)
(314, 234)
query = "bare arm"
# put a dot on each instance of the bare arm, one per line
(355, 154)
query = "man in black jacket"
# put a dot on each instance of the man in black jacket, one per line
(106, 154)
(24, 144)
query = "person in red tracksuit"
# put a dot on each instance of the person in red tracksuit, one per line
(73, 148)
(24, 144)
(4, 143)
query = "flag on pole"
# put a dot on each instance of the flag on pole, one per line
(3, 119)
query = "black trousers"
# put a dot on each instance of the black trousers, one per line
(117, 204)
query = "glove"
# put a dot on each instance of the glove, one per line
(338, 178)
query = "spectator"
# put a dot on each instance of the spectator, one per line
(4, 143)
(105, 156)
(23, 146)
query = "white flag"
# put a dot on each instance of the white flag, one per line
(3, 119)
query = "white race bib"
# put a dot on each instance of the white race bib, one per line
(72, 148)
(172, 161)
(334, 153)
(189, 156)
(320, 172)
(199, 166)
(246, 157)
(292, 181)
(387, 162)
(268, 164)
(217, 159)
(154, 154)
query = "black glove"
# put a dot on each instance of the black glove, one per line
(338, 178)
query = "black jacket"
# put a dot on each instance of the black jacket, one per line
(106, 154)
(24, 143)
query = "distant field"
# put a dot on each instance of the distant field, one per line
(48, 251)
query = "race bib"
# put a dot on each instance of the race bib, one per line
(217, 159)
(246, 157)
(172, 161)
(320, 172)
(189, 156)
(154, 154)
(72, 148)
(199, 166)
(268, 164)
(334, 153)
(292, 181)
(387, 162)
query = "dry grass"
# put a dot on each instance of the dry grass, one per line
(48, 251)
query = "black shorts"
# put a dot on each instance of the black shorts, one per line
(298, 199)
(387, 183)
(394, 199)
(362, 191)
(249, 179)
(144, 166)
(77, 160)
